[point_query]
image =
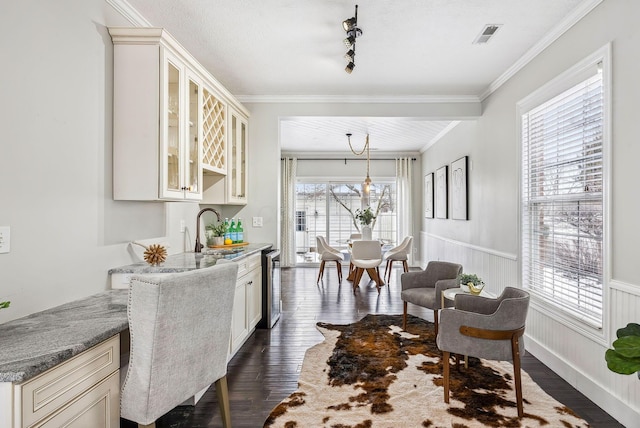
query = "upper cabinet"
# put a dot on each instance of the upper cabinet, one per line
(170, 117)
(231, 188)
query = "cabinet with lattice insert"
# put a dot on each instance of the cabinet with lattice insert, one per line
(214, 136)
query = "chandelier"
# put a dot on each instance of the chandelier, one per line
(350, 26)
(366, 185)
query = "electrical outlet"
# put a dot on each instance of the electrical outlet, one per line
(5, 239)
(257, 222)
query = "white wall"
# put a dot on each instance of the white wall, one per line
(264, 141)
(488, 242)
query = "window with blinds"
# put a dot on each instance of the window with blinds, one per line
(563, 199)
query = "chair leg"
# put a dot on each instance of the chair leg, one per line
(357, 278)
(388, 274)
(404, 316)
(339, 268)
(222, 392)
(435, 320)
(515, 351)
(321, 271)
(445, 373)
(405, 265)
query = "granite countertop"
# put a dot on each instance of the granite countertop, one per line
(188, 261)
(33, 344)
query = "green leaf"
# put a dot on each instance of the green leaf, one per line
(628, 346)
(620, 364)
(632, 329)
(4, 305)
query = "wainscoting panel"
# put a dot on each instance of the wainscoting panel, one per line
(574, 354)
(498, 270)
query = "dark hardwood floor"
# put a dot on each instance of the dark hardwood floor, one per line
(266, 368)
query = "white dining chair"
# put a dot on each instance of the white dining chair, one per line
(398, 254)
(328, 254)
(366, 255)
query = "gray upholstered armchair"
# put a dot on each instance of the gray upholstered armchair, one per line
(485, 328)
(180, 327)
(424, 288)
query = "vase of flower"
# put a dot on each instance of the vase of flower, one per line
(366, 218)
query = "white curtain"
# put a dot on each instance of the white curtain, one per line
(287, 212)
(404, 180)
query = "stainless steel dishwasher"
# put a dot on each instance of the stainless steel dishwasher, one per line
(271, 290)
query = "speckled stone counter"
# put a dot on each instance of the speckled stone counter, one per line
(33, 344)
(189, 261)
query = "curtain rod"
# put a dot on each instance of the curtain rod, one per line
(345, 159)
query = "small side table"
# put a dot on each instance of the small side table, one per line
(450, 294)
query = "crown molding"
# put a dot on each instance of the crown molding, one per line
(574, 17)
(355, 99)
(129, 13)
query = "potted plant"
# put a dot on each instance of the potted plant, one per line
(365, 217)
(624, 358)
(471, 282)
(215, 234)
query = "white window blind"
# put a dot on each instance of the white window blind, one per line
(562, 197)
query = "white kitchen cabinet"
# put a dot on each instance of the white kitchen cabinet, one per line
(247, 306)
(172, 121)
(214, 134)
(157, 99)
(231, 189)
(83, 391)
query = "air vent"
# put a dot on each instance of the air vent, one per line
(487, 33)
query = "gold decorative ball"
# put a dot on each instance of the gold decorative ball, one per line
(155, 254)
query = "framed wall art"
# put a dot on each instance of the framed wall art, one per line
(459, 189)
(428, 195)
(441, 187)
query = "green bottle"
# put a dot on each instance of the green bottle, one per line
(239, 231)
(233, 232)
(227, 232)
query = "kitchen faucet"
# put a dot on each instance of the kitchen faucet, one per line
(199, 246)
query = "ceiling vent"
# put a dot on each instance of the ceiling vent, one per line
(487, 33)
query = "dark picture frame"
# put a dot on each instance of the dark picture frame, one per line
(441, 192)
(428, 196)
(459, 186)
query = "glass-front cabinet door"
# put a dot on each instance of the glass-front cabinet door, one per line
(237, 169)
(193, 170)
(181, 127)
(172, 127)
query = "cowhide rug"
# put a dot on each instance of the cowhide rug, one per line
(373, 374)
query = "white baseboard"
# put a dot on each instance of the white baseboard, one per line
(596, 393)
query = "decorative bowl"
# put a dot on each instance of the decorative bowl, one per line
(475, 289)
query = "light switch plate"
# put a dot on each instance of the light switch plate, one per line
(5, 239)
(257, 222)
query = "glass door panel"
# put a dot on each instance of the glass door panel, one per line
(193, 168)
(234, 156)
(173, 160)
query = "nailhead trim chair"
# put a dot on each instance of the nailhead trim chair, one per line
(425, 288)
(180, 326)
(485, 328)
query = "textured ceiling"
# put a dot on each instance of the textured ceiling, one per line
(279, 48)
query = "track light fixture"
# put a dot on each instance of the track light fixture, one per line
(350, 26)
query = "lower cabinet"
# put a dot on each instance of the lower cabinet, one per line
(83, 391)
(247, 303)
